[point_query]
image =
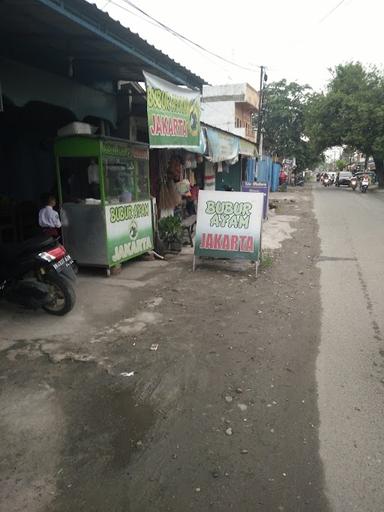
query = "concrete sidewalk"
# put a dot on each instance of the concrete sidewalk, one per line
(102, 300)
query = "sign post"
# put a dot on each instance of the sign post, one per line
(229, 226)
(258, 187)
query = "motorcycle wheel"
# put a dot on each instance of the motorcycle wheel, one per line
(63, 296)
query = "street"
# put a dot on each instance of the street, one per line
(263, 395)
(350, 364)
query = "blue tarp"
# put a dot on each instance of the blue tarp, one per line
(275, 177)
(268, 172)
(264, 170)
(251, 169)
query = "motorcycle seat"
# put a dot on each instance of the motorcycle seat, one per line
(8, 252)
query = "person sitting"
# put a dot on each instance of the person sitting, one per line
(49, 219)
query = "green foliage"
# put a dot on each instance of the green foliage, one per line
(341, 164)
(285, 105)
(266, 261)
(350, 112)
(170, 229)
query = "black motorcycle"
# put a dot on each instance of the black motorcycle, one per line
(38, 273)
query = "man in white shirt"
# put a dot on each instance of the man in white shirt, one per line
(49, 219)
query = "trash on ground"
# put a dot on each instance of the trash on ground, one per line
(154, 347)
(127, 374)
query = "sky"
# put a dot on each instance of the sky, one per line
(295, 39)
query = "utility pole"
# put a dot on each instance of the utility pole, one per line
(259, 116)
(259, 139)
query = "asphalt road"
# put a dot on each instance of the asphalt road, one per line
(350, 365)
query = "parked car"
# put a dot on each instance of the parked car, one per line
(344, 178)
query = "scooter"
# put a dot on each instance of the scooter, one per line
(38, 273)
(364, 185)
(326, 182)
(354, 183)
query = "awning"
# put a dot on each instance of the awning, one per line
(49, 88)
(222, 146)
(248, 148)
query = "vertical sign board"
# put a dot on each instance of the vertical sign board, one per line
(229, 225)
(129, 231)
(248, 186)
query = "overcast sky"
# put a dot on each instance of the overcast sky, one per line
(295, 39)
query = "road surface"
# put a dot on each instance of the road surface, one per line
(350, 365)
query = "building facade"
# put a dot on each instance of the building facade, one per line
(231, 107)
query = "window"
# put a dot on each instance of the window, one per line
(238, 122)
(79, 179)
(119, 180)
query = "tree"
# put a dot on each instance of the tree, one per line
(284, 114)
(350, 112)
(341, 164)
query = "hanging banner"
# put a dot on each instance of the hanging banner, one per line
(248, 148)
(229, 225)
(173, 114)
(222, 146)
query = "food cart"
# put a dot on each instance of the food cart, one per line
(105, 205)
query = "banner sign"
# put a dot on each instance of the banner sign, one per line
(229, 225)
(222, 146)
(248, 186)
(129, 230)
(173, 114)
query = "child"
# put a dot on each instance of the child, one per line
(49, 219)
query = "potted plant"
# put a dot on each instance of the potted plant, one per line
(171, 232)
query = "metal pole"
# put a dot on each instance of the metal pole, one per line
(260, 106)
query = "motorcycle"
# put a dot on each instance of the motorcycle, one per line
(364, 185)
(354, 183)
(38, 273)
(326, 182)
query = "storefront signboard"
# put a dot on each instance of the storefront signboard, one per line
(129, 230)
(229, 225)
(248, 186)
(173, 114)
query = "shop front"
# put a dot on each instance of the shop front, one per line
(177, 146)
(45, 87)
(233, 158)
(104, 196)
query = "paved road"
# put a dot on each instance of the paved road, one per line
(350, 365)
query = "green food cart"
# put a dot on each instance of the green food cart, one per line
(106, 210)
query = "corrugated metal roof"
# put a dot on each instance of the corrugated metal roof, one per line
(63, 34)
(136, 35)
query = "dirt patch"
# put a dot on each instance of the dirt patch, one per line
(223, 416)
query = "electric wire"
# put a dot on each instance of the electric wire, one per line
(329, 13)
(176, 34)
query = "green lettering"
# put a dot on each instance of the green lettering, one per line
(215, 221)
(210, 207)
(243, 221)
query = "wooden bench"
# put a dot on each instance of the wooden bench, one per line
(188, 225)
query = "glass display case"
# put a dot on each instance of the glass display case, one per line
(104, 198)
